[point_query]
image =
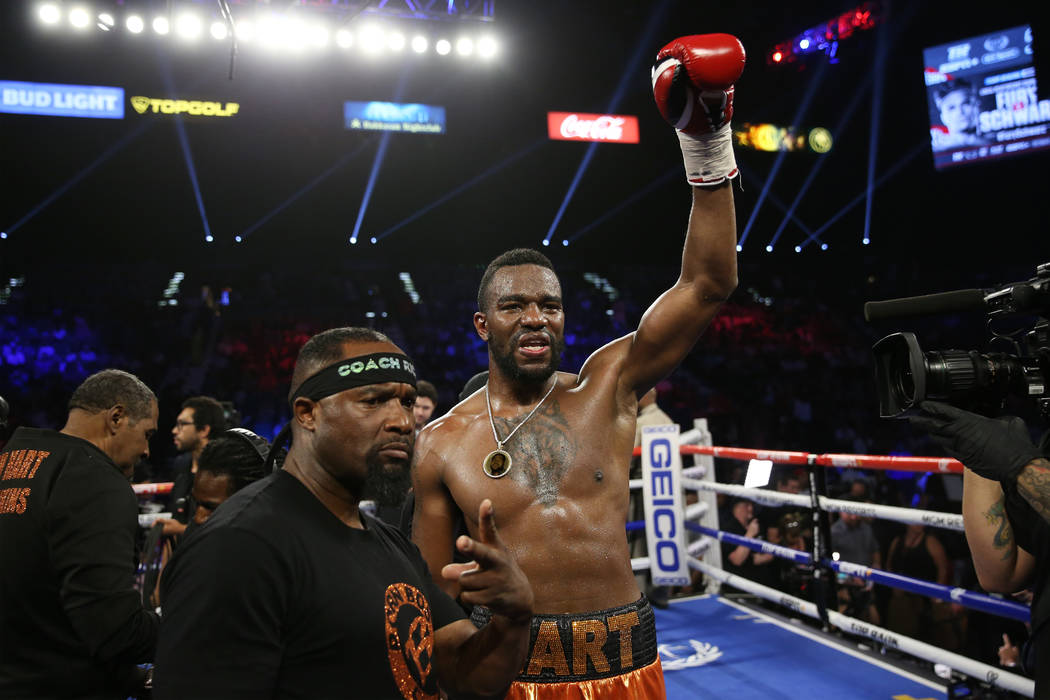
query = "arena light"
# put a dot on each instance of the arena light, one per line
(823, 246)
(79, 17)
(420, 43)
(396, 41)
(371, 38)
(374, 240)
(353, 240)
(209, 238)
(49, 13)
(487, 47)
(161, 25)
(825, 37)
(317, 35)
(465, 46)
(344, 39)
(270, 32)
(245, 30)
(443, 47)
(188, 26)
(219, 30)
(237, 239)
(135, 24)
(105, 21)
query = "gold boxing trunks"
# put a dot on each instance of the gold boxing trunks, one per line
(604, 654)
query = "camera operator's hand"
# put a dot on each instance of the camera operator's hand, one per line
(993, 448)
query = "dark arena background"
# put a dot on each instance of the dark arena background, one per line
(189, 190)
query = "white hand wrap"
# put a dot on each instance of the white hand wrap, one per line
(709, 158)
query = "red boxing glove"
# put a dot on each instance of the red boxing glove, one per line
(693, 80)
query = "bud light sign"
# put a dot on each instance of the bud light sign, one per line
(664, 515)
(392, 116)
(95, 101)
(573, 126)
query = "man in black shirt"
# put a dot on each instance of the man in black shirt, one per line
(288, 590)
(200, 419)
(71, 623)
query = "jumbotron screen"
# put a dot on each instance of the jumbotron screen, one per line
(983, 98)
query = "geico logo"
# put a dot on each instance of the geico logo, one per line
(191, 107)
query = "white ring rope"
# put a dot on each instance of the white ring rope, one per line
(911, 516)
(694, 548)
(974, 669)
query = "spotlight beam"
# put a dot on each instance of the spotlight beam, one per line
(777, 202)
(842, 124)
(800, 114)
(907, 158)
(187, 154)
(639, 194)
(343, 160)
(881, 49)
(191, 169)
(117, 145)
(626, 79)
(513, 158)
(377, 163)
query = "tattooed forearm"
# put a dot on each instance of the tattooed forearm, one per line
(1034, 485)
(1004, 534)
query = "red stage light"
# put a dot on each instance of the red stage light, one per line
(777, 56)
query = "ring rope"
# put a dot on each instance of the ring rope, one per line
(149, 489)
(912, 516)
(969, 599)
(944, 465)
(974, 669)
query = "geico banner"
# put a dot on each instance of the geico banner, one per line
(92, 101)
(193, 108)
(662, 494)
(604, 128)
(394, 116)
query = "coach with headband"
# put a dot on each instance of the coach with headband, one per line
(289, 590)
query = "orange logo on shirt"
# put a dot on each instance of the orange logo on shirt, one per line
(410, 641)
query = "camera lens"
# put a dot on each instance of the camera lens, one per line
(951, 373)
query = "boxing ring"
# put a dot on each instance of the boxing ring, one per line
(713, 647)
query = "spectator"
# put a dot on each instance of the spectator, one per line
(199, 419)
(918, 554)
(738, 559)
(426, 402)
(854, 542)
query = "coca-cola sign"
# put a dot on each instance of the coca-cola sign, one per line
(574, 126)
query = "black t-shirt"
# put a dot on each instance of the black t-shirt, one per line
(71, 622)
(275, 597)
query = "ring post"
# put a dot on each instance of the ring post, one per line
(823, 576)
(713, 555)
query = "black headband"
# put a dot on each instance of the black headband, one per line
(376, 368)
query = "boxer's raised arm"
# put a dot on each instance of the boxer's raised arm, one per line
(693, 86)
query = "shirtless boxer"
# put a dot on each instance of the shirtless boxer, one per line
(553, 449)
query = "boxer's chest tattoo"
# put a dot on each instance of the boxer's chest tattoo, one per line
(543, 452)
